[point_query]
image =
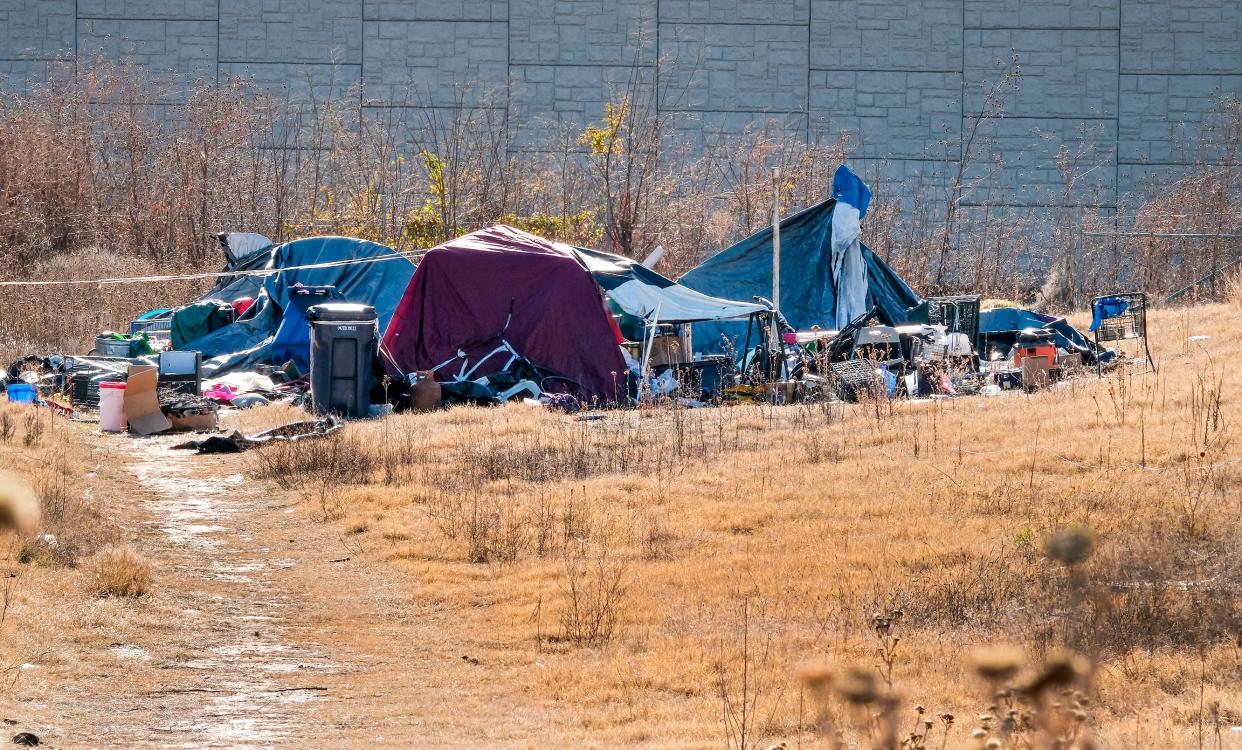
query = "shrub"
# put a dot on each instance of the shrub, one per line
(120, 572)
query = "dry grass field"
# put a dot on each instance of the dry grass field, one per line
(729, 577)
(668, 573)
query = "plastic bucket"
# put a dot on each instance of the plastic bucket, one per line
(112, 407)
(22, 393)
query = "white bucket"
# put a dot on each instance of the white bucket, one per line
(112, 407)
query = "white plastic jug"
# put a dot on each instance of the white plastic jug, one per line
(112, 407)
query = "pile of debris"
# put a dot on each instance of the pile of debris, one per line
(352, 328)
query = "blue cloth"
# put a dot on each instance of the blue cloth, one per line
(1105, 308)
(848, 187)
(744, 271)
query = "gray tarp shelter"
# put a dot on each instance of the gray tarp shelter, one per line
(808, 297)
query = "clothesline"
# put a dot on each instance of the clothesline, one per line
(260, 272)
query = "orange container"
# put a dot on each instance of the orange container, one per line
(1035, 350)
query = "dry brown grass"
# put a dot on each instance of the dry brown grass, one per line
(120, 572)
(42, 451)
(722, 548)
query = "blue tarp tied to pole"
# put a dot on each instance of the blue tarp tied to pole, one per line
(379, 280)
(808, 296)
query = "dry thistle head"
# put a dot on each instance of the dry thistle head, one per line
(1070, 546)
(858, 686)
(997, 663)
(19, 506)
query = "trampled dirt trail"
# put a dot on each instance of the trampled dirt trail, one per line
(265, 629)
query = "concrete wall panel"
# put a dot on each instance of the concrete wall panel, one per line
(1043, 14)
(884, 35)
(435, 63)
(1065, 73)
(888, 114)
(186, 48)
(36, 29)
(583, 32)
(311, 31)
(734, 67)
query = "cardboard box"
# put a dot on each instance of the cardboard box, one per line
(142, 405)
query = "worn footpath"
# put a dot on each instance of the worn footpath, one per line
(265, 629)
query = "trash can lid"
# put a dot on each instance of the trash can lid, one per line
(340, 311)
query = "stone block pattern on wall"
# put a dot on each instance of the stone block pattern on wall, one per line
(889, 114)
(436, 63)
(551, 104)
(36, 29)
(291, 31)
(1065, 73)
(582, 32)
(186, 48)
(1132, 83)
(883, 35)
(735, 11)
(435, 10)
(1027, 172)
(1042, 14)
(1163, 36)
(177, 10)
(733, 67)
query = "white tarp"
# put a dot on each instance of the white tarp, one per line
(678, 304)
(849, 270)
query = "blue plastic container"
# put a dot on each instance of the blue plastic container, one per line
(22, 393)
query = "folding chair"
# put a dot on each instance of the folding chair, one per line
(1121, 317)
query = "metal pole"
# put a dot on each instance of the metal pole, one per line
(776, 346)
(652, 323)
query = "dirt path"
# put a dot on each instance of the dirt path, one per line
(265, 630)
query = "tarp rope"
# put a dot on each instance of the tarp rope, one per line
(408, 255)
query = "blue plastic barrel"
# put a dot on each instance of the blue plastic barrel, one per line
(22, 393)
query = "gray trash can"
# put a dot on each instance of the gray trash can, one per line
(343, 340)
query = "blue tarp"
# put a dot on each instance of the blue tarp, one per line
(248, 342)
(807, 295)
(1008, 319)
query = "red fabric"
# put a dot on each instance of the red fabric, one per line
(460, 296)
(242, 304)
(616, 330)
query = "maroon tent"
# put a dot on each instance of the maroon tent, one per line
(462, 294)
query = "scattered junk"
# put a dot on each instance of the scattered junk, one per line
(236, 442)
(351, 329)
(181, 371)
